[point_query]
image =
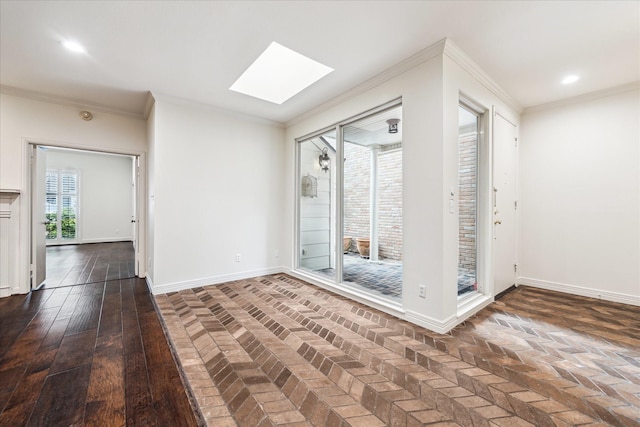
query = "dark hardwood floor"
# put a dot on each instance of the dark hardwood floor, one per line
(94, 354)
(89, 263)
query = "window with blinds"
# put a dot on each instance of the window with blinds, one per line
(61, 206)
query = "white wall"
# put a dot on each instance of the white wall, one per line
(430, 90)
(105, 193)
(217, 191)
(421, 90)
(580, 196)
(24, 120)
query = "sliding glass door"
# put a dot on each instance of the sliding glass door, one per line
(350, 211)
(372, 203)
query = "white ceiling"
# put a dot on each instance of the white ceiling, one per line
(196, 50)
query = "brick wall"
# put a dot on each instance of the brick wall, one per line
(357, 198)
(390, 204)
(357, 180)
(467, 196)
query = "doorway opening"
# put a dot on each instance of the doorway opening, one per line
(83, 216)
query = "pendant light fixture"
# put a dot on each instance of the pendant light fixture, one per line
(324, 160)
(393, 125)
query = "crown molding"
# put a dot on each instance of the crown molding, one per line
(441, 47)
(413, 61)
(584, 97)
(466, 63)
(160, 97)
(39, 96)
(148, 105)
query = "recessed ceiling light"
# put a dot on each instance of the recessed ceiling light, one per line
(73, 46)
(278, 74)
(570, 79)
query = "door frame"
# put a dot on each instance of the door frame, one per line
(140, 189)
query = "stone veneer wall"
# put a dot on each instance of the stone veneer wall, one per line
(356, 192)
(467, 196)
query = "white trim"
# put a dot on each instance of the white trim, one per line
(106, 240)
(424, 55)
(580, 290)
(583, 98)
(214, 280)
(370, 300)
(24, 264)
(149, 103)
(73, 146)
(43, 97)
(149, 283)
(466, 63)
(441, 47)
(160, 97)
(471, 305)
(435, 325)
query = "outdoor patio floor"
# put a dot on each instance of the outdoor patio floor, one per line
(384, 277)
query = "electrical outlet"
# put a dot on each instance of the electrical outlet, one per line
(237, 257)
(422, 291)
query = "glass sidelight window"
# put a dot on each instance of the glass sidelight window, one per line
(468, 144)
(350, 211)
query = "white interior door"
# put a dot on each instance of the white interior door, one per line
(38, 217)
(504, 206)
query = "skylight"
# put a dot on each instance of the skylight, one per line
(278, 74)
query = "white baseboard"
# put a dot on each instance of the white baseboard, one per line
(149, 282)
(579, 290)
(5, 291)
(108, 240)
(466, 310)
(213, 280)
(471, 305)
(435, 325)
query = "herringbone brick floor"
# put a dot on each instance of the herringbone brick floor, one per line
(277, 351)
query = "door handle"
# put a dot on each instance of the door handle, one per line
(497, 221)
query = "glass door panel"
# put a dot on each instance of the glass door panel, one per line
(317, 207)
(372, 203)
